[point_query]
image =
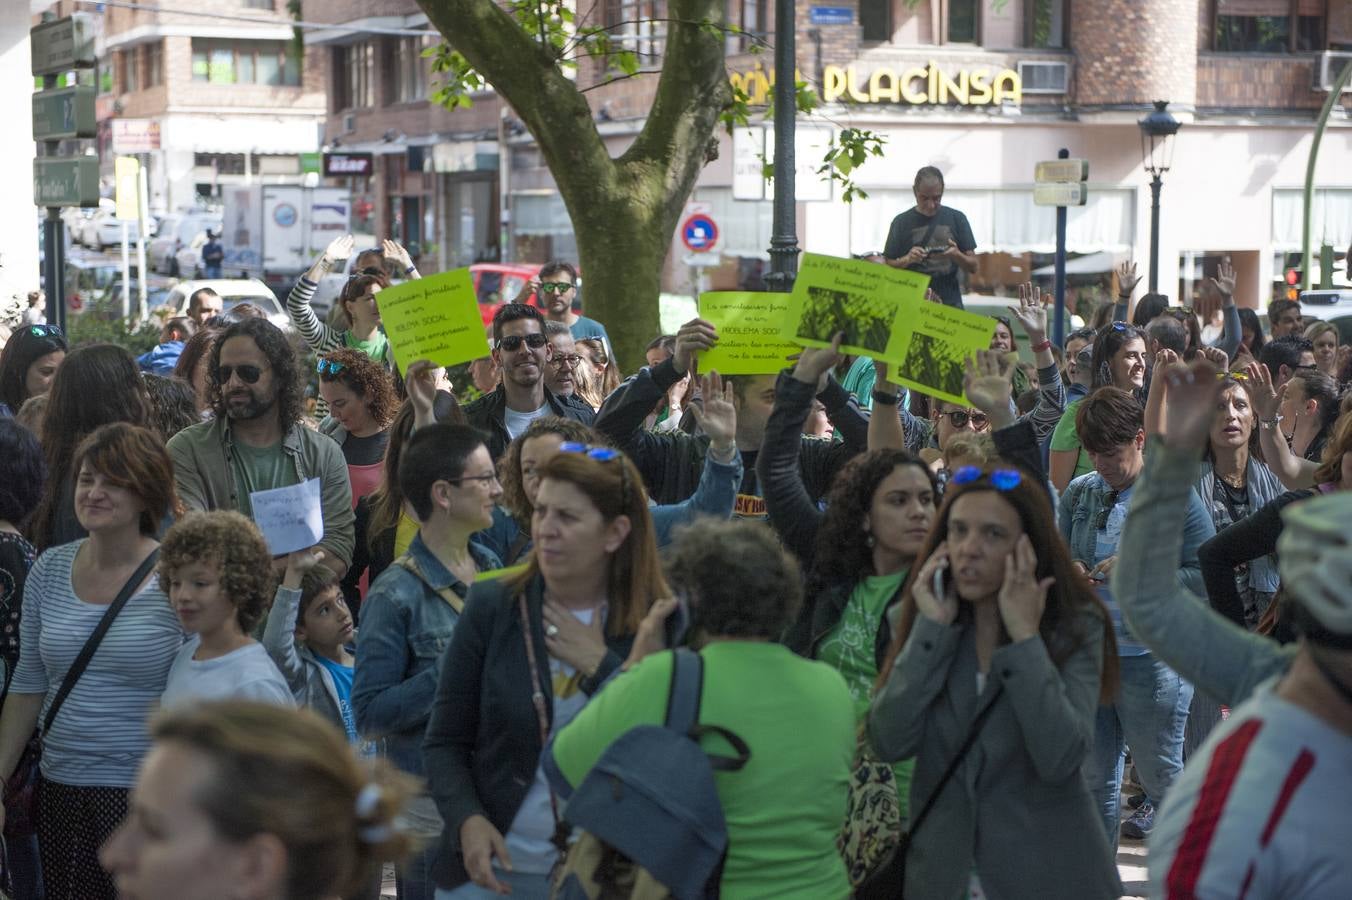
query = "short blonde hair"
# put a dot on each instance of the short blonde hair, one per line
(969, 450)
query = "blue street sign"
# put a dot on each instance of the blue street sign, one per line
(831, 15)
(699, 232)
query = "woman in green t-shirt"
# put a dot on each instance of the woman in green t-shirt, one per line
(1118, 360)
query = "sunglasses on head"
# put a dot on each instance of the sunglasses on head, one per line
(1000, 479)
(247, 373)
(369, 270)
(556, 287)
(45, 331)
(329, 367)
(600, 454)
(959, 418)
(512, 342)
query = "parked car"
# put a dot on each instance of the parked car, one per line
(233, 291)
(87, 279)
(102, 229)
(1329, 306)
(176, 232)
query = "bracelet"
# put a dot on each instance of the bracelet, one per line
(885, 398)
(410, 270)
(1271, 423)
(1044, 344)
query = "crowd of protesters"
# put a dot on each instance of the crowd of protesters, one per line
(945, 642)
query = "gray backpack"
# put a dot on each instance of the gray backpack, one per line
(649, 815)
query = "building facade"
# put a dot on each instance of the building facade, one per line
(216, 93)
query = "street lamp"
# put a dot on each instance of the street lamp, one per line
(783, 229)
(1157, 146)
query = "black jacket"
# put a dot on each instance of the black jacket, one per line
(483, 740)
(489, 412)
(671, 463)
(1250, 538)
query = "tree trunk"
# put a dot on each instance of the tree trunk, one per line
(623, 210)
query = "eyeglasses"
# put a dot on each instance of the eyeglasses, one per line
(490, 478)
(512, 342)
(1000, 479)
(45, 331)
(604, 455)
(556, 287)
(329, 367)
(247, 373)
(959, 418)
(569, 362)
(1109, 501)
(1237, 376)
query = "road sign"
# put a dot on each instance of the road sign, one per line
(64, 113)
(66, 181)
(127, 172)
(1061, 170)
(1062, 194)
(831, 15)
(63, 44)
(699, 233)
(135, 135)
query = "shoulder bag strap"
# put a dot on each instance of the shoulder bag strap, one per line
(683, 703)
(972, 733)
(560, 837)
(929, 232)
(92, 644)
(456, 602)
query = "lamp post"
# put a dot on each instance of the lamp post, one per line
(1157, 146)
(783, 230)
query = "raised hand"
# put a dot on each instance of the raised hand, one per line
(932, 297)
(1217, 357)
(1022, 596)
(1032, 315)
(1127, 279)
(815, 363)
(989, 384)
(1267, 400)
(718, 418)
(395, 251)
(339, 248)
(298, 563)
(1225, 280)
(420, 382)
(693, 336)
(937, 606)
(1191, 394)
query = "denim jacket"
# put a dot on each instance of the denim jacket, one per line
(405, 627)
(1079, 509)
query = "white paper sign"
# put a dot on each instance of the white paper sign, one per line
(291, 518)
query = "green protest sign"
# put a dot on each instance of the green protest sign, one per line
(932, 350)
(435, 318)
(865, 300)
(749, 326)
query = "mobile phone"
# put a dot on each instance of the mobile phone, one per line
(678, 623)
(936, 249)
(938, 586)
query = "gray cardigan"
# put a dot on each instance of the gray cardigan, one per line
(310, 683)
(1018, 807)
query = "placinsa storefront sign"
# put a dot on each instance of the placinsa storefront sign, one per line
(918, 85)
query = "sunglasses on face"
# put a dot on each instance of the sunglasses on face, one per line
(45, 331)
(1000, 479)
(512, 342)
(247, 373)
(328, 367)
(369, 270)
(959, 418)
(556, 287)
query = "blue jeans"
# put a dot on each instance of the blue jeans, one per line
(525, 886)
(1149, 716)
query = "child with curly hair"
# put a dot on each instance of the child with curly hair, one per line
(218, 573)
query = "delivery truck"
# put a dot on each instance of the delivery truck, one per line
(274, 232)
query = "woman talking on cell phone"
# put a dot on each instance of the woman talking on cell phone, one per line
(932, 239)
(1000, 659)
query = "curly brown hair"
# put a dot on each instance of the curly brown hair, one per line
(232, 542)
(364, 377)
(514, 498)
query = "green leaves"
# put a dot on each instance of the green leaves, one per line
(850, 148)
(459, 78)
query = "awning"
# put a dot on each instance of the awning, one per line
(1093, 264)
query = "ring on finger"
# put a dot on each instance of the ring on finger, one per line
(551, 630)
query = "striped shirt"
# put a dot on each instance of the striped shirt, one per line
(100, 734)
(321, 338)
(1260, 812)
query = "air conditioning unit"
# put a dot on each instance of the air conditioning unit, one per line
(1044, 76)
(1327, 67)
(349, 123)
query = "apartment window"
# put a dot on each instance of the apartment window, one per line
(1268, 26)
(154, 62)
(1045, 23)
(634, 25)
(751, 16)
(259, 4)
(405, 70)
(127, 74)
(963, 21)
(245, 62)
(354, 75)
(875, 18)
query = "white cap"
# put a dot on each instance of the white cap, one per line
(1315, 552)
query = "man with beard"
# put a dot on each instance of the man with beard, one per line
(523, 353)
(256, 441)
(556, 288)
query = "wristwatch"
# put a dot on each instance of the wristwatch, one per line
(885, 398)
(1271, 423)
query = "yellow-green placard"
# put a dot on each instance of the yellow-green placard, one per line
(749, 326)
(500, 573)
(933, 347)
(434, 318)
(867, 301)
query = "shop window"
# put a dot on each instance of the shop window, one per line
(1045, 23)
(636, 25)
(245, 62)
(354, 76)
(1268, 26)
(154, 61)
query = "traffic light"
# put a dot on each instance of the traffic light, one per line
(1292, 282)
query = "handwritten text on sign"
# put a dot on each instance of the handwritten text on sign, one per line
(749, 326)
(434, 318)
(291, 518)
